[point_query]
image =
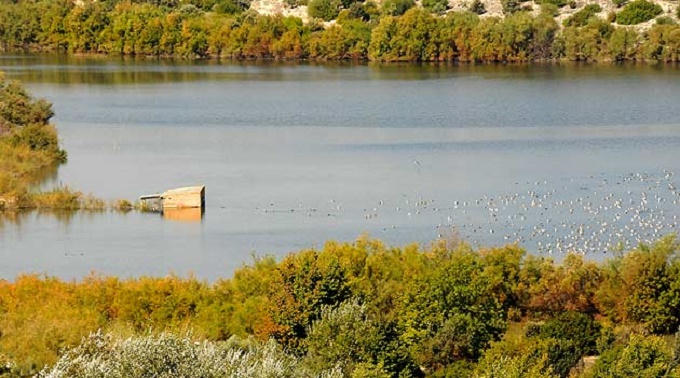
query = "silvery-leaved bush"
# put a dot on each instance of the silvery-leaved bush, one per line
(167, 355)
(6, 365)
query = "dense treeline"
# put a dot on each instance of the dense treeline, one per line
(222, 29)
(442, 311)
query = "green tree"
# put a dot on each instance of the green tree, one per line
(643, 287)
(324, 9)
(304, 283)
(662, 43)
(586, 43)
(451, 313)
(456, 36)
(623, 44)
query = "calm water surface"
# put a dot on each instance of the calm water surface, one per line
(294, 155)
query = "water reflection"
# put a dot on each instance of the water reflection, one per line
(46, 176)
(104, 70)
(184, 215)
(18, 218)
(14, 218)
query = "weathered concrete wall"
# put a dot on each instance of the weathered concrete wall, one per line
(188, 197)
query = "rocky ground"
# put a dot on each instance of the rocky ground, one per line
(493, 8)
(272, 7)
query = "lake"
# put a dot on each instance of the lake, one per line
(555, 157)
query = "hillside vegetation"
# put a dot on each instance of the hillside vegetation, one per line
(393, 30)
(362, 309)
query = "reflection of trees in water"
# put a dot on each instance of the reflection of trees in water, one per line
(64, 217)
(45, 175)
(16, 219)
(105, 70)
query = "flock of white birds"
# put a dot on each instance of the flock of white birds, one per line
(596, 214)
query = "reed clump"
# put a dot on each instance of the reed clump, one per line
(60, 198)
(122, 205)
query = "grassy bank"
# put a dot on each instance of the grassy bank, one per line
(30, 152)
(29, 146)
(444, 310)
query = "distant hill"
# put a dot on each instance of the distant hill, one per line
(493, 8)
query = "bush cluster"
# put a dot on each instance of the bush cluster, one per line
(582, 17)
(365, 308)
(28, 142)
(168, 355)
(324, 9)
(637, 12)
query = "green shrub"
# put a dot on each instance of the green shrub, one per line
(550, 9)
(665, 20)
(611, 17)
(396, 7)
(38, 137)
(637, 12)
(18, 108)
(436, 6)
(579, 328)
(620, 3)
(523, 366)
(296, 3)
(527, 357)
(477, 7)
(558, 3)
(641, 357)
(29, 146)
(582, 17)
(349, 337)
(228, 7)
(510, 6)
(324, 9)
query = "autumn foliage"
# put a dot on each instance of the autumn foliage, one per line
(411, 310)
